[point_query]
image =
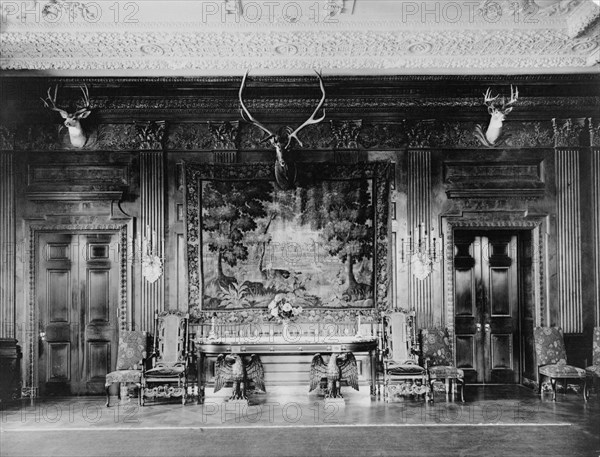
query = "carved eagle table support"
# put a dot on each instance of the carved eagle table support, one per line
(231, 368)
(340, 367)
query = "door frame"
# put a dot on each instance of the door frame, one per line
(485, 221)
(30, 380)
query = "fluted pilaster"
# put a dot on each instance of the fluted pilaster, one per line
(7, 245)
(568, 224)
(152, 217)
(594, 126)
(419, 211)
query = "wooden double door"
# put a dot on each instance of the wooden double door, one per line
(77, 292)
(487, 300)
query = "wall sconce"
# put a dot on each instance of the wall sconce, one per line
(422, 250)
(152, 254)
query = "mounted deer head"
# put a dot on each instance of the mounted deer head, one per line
(77, 135)
(498, 109)
(285, 168)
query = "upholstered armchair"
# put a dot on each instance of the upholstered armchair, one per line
(438, 359)
(131, 352)
(402, 373)
(552, 359)
(593, 371)
(168, 376)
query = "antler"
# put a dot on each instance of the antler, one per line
(246, 114)
(311, 119)
(514, 96)
(487, 97)
(86, 100)
(50, 103)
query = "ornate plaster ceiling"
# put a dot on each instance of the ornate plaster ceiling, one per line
(226, 37)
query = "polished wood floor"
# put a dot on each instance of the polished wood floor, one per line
(495, 420)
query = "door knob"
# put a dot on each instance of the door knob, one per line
(487, 327)
(43, 336)
(478, 327)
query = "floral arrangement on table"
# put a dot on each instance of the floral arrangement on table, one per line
(281, 308)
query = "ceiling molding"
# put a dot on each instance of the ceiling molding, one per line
(378, 37)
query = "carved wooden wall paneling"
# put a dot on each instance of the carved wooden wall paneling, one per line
(594, 125)
(419, 211)
(7, 244)
(568, 225)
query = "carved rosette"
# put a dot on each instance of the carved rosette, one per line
(567, 132)
(150, 136)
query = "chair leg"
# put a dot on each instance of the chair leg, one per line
(461, 382)
(585, 397)
(107, 396)
(553, 384)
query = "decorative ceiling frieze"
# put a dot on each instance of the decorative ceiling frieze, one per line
(339, 37)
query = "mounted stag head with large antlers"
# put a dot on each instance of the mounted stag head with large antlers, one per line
(498, 109)
(285, 168)
(72, 122)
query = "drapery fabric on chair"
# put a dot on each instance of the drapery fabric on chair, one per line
(436, 352)
(402, 374)
(131, 352)
(593, 371)
(168, 377)
(552, 359)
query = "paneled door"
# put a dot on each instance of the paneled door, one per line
(77, 293)
(486, 300)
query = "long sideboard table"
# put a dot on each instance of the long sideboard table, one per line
(281, 346)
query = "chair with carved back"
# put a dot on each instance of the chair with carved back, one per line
(132, 351)
(402, 373)
(437, 356)
(168, 376)
(552, 360)
(593, 371)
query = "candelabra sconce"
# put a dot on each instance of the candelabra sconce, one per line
(422, 250)
(152, 256)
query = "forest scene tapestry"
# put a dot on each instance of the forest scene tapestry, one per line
(323, 244)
